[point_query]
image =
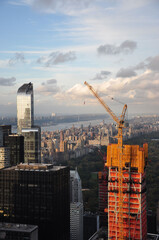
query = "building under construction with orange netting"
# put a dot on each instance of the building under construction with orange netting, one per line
(133, 215)
(126, 183)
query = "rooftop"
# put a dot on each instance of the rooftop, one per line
(35, 167)
(17, 227)
(26, 88)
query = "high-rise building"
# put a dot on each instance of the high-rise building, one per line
(4, 157)
(37, 194)
(5, 130)
(75, 187)
(25, 107)
(76, 221)
(132, 209)
(25, 124)
(103, 197)
(1, 137)
(32, 146)
(91, 224)
(63, 143)
(76, 207)
(16, 144)
(157, 217)
(15, 231)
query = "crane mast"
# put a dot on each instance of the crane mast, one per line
(120, 125)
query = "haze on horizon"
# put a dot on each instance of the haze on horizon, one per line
(59, 44)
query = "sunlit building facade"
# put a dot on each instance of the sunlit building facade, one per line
(76, 206)
(25, 107)
(1, 137)
(25, 124)
(32, 146)
(75, 187)
(4, 157)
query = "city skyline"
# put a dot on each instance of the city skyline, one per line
(57, 45)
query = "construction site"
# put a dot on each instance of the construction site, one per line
(122, 188)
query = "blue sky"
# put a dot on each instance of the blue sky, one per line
(59, 44)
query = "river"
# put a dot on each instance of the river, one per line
(62, 126)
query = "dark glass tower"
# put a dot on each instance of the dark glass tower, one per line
(16, 145)
(103, 197)
(38, 195)
(5, 131)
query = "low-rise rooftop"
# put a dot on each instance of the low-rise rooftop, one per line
(17, 227)
(35, 167)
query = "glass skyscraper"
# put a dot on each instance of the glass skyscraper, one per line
(25, 107)
(16, 145)
(32, 144)
(25, 124)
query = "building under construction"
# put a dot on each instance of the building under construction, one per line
(133, 215)
(126, 184)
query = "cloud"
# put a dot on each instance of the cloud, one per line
(130, 5)
(17, 3)
(48, 88)
(18, 58)
(55, 58)
(125, 48)
(73, 95)
(52, 6)
(4, 63)
(50, 81)
(142, 88)
(153, 63)
(7, 81)
(70, 6)
(125, 73)
(102, 75)
(140, 66)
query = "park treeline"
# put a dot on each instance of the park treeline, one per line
(89, 166)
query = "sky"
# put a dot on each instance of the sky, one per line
(59, 44)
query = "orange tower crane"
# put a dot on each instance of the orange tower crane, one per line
(120, 125)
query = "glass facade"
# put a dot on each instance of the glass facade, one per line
(4, 157)
(25, 107)
(5, 130)
(25, 124)
(32, 146)
(16, 145)
(37, 195)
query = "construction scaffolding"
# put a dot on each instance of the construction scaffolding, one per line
(134, 217)
(126, 183)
